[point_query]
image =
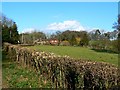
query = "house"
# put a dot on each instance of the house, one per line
(53, 41)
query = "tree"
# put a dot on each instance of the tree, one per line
(107, 35)
(114, 34)
(9, 30)
(117, 26)
(118, 33)
(14, 36)
(84, 40)
(97, 34)
(30, 38)
(73, 37)
(73, 40)
(59, 36)
(5, 34)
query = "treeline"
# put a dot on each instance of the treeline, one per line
(96, 39)
(30, 38)
(74, 38)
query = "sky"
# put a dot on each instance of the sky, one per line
(50, 17)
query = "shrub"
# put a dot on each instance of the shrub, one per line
(65, 43)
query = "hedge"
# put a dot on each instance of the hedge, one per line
(66, 72)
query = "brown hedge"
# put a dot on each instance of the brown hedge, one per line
(66, 72)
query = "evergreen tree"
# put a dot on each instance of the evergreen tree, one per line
(9, 31)
(14, 36)
(5, 34)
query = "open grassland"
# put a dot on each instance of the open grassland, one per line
(79, 52)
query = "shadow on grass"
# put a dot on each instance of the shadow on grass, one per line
(6, 62)
(105, 51)
(4, 56)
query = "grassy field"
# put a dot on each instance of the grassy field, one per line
(16, 76)
(79, 52)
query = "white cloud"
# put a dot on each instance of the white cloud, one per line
(66, 25)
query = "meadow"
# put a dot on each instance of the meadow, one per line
(79, 53)
(16, 76)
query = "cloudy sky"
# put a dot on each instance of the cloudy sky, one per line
(50, 17)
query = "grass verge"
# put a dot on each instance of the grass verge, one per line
(16, 76)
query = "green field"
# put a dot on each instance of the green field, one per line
(16, 76)
(79, 52)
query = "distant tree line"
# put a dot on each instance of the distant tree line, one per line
(30, 38)
(75, 38)
(96, 39)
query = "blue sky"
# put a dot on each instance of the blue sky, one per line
(50, 16)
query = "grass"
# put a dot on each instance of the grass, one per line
(79, 52)
(16, 76)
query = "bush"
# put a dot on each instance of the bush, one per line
(115, 46)
(65, 43)
(105, 45)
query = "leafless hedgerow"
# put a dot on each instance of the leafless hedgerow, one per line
(66, 72)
